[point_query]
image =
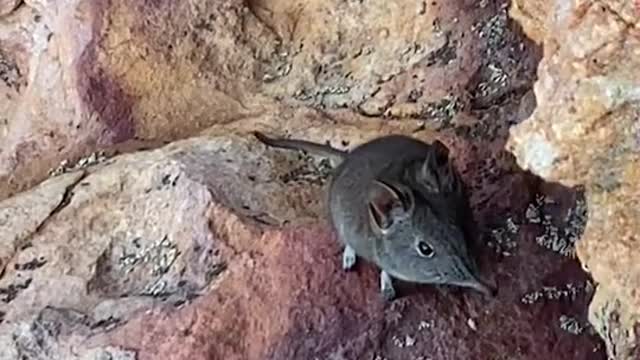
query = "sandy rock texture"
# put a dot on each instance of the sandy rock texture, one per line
(585, 130)
(141, 220)
(81, 75)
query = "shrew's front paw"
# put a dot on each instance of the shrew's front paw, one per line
(348, 258)
(386, 286)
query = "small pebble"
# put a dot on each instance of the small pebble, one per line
(472, 324)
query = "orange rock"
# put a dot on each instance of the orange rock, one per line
(585, 130)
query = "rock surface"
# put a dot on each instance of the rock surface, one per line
(8, 6)
(214, 247)
(80, 75)
(159, 249)
(585, 130)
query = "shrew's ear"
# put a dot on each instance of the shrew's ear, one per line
(436, 173)
(387, 203)
(440, 153)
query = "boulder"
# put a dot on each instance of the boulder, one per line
(585, 130)
(217, 247)
(140, 219)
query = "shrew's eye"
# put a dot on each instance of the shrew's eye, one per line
(425, 249)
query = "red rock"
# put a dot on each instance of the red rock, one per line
(215, 247)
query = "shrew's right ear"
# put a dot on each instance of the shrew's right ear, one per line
(386, 203)
(436, 173)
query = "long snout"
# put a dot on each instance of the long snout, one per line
(479, 285)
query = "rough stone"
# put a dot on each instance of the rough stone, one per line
(8, 6)
(585, 131)
(534, 16)
(22, 217)
(79, 76)
(220, 243)
(215, 247)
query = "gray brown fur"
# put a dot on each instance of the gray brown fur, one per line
(393, 199)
